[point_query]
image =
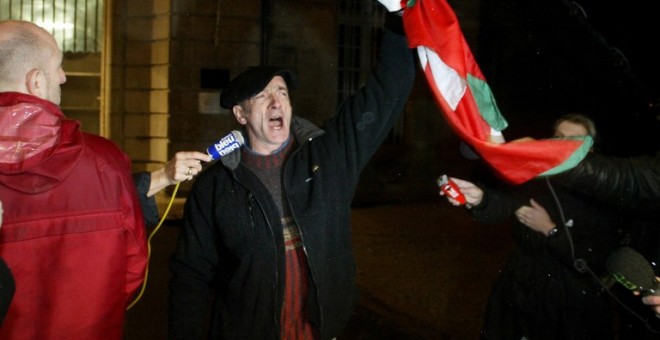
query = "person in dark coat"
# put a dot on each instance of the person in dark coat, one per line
(266, 236)
(552, 285)
(632, 185)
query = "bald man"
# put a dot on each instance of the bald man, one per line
(73, 233)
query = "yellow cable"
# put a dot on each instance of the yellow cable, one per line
(146, 271)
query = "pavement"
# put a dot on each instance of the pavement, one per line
(424, 271)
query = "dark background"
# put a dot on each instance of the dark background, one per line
(544, 57)
(425, 268)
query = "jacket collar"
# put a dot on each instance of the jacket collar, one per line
(303, 130)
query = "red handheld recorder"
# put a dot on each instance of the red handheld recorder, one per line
(451, 189)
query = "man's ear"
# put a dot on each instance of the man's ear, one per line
(239, 114)
(34, 82)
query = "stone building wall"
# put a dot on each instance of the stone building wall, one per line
(171, 59)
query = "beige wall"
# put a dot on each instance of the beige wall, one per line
(81, 92)
(140, 80)
(160, 48)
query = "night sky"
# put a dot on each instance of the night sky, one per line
(546, 57)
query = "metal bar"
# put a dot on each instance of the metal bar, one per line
(75, 25)
(106, 71)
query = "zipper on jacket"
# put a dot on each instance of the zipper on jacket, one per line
(251, 200)
(311, 271)
(302, 238)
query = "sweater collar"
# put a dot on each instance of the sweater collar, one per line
(274, 160)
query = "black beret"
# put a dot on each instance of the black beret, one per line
(251, 82)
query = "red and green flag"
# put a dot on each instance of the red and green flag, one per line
(467, 103)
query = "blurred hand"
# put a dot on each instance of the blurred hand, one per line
(473, 194)
(654, 302)
(535, 217)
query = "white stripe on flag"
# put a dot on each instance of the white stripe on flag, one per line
(449, 82)
(391, 5)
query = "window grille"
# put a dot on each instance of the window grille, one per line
(359, 25)
(359, 28)
(77, 25)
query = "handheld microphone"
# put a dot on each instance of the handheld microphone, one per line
(451, 189)
(225, 145)
(633, 271)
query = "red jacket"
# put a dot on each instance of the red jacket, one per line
(73, 233)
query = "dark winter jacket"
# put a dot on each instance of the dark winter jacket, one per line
(624, 182)
(232, 241)
(631, 184)
(142, 180)
(546, 289)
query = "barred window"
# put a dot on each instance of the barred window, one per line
(77, 25)
(360, 23)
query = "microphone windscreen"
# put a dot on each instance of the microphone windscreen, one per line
(632, 266)
(226, 145)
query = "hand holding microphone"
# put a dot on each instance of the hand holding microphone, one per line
(460, 192)
(187, 164)
(225, 145)
(450, 189)
(183, 166)
(633, 271)
(653, 301)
